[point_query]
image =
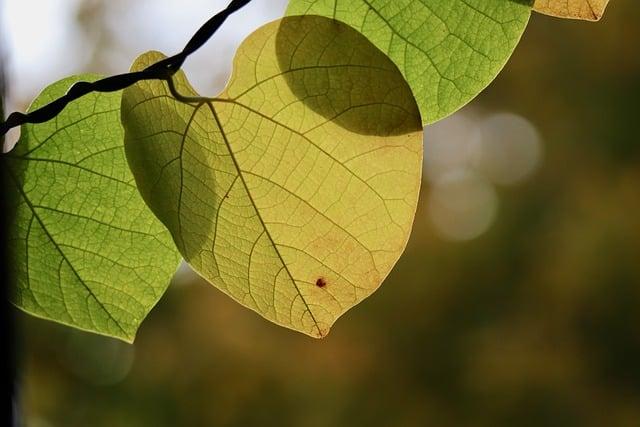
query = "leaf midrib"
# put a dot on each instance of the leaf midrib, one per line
(264, 225)
(62, 254)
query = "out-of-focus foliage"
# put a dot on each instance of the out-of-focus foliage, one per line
(533, 324)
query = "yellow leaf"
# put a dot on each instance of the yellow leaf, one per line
(589, 10)
(294, 191)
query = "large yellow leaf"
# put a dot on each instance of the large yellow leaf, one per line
(295, 190)
(590, 10)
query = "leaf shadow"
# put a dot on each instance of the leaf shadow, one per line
(160, 138)
(523, 2)
(339, 74)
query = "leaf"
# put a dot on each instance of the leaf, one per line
(294, 191)
(88, 251)
(589, 10)
(448, 50)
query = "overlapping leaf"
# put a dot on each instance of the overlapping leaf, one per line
(88, 252)
(590, 10)
(294, 192)
(448, 50)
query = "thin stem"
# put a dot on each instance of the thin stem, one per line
(162, 70)
(185, 99)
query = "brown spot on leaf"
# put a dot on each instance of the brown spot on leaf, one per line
(321, 283)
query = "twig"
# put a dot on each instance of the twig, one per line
(162, 70)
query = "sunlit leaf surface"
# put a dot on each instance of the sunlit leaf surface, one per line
(89, 253)
(294, 192)
(590, 10)
(448, 50)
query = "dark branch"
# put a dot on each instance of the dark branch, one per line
(162, 70)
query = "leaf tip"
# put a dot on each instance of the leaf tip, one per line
(320, 332)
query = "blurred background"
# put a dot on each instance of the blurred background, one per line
(517, 302)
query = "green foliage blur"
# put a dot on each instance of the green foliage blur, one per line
(534, 323)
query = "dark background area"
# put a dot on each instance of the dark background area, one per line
(535, 322)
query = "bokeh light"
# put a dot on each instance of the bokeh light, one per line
(508, 150)
(449, 144)
(43, 43)
(462, 205)
(465, 156)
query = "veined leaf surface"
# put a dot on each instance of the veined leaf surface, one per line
(589, 10)
(88, 252)
(295, 190)
(448, 50)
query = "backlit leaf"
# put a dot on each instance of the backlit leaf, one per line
(295, 190)
(448, 50)
(88, 252)
(590, 10)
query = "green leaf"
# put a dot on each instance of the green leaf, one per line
(448, 50)
(88, 252)
(294, 192)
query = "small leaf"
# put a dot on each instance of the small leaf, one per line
(589, 10)
(88, 252)
(448, 50)
(294, 192)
